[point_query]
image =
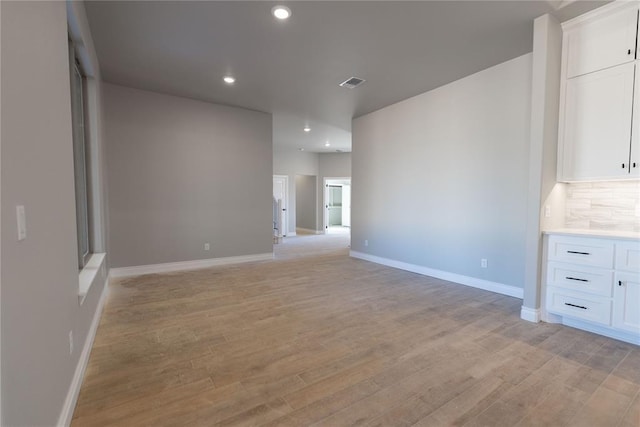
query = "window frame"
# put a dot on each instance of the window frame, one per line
(81, 158)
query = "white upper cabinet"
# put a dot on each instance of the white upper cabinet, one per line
(602, 43)
(597, 124)
(600, 97)
(634, 155)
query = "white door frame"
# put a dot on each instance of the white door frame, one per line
(285, 203)
(325, 198)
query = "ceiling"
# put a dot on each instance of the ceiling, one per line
(292, 68)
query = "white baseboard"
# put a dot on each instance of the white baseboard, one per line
(186, 265)
(291, 234)
(76, 383)
(530, 314)
(473, 282)
(308, 231)
(602, 330)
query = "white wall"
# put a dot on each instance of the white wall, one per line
(183, 173)
(440, 179)
(543, 143)
(40, 274)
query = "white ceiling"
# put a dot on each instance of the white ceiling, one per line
(292, 69)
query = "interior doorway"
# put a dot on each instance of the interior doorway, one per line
(337, 205)
(280, 204)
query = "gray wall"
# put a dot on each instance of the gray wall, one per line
(183, 173)
(40, 274)
(306, 201)
(291, 163)
(440, 179)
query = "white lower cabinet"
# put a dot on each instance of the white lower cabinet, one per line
(594, 284)
(626, 300)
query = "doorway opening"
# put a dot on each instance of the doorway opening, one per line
(337, 205)
(280, 206)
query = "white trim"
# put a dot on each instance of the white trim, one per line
(285, 202)
(186, 265)
(597, 13)
(76, 383)
(308, 230)
(291, 234)
(473, 282)
(325, 197)
(530, 314)
(88, 274)
(602, 330)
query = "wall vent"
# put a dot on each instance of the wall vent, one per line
(352, 82)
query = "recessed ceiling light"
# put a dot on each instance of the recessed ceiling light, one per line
(326, 144)
(307, 129)
(281, 12)
(300, 149)
(229, 80)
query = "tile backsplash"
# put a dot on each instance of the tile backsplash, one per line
(603, 205)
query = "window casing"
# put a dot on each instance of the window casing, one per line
(80, 152)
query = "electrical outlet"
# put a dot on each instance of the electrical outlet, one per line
(366, 243)
(547, 211)
(207, 246)
(483, 263)
(70, 342)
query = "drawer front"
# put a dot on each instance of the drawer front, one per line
(628, 256)
(579, 306)
(583, 251)
(580, 278)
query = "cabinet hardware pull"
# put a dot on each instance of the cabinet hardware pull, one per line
(629, 52)
(576, 306)
(578, 253)
(619, 282)
(623, 166)
(576, 279)
(634, 164)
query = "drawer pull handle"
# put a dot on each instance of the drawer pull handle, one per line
(619, 282)
(576, 279)
(576, 306)
(578, 253)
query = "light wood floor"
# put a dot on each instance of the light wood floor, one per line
(330, 341)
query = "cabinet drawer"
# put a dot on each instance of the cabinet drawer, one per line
(582, 251)
(628, 256)
(580, 278)
(580, 306)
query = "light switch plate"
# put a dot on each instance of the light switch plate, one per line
(22, 222)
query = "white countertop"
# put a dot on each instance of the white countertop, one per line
(585, 232)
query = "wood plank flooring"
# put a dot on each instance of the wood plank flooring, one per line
(317, 338)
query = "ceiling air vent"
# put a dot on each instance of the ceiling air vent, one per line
(352, 82)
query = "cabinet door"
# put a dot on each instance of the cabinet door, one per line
(634, 157)
(626, 302)
(596, 133)
(603, 43)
